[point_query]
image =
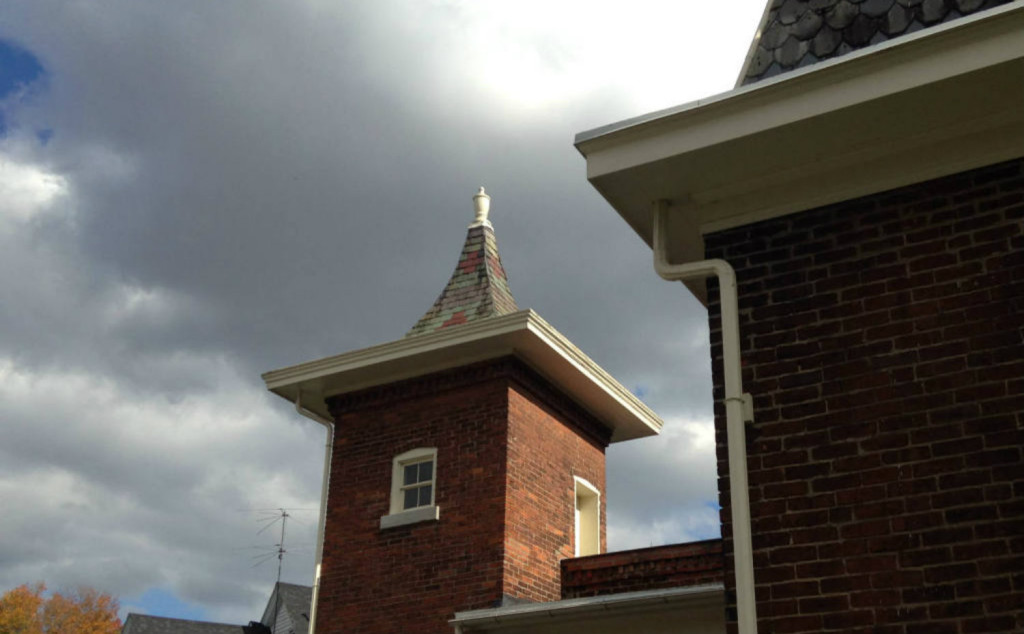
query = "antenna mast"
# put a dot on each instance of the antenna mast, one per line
(280, 547)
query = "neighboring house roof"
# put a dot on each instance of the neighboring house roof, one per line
(797, 33)
(287, 611)
(479, 287)
(145, 624)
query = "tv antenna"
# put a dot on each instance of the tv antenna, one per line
(281, 515)
(269, 517)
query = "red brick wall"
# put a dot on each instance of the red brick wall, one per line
(544, 455)
(882, 342)
(414, 578)
(673, 566)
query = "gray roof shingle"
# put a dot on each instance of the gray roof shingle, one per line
(145, 624)
(797, 33)
(477, 289)
(289, 600)
(288, 609)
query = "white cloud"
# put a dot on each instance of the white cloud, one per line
(27, 190)
(662, 489)
(538, 53)
(686, 524)
(116, 476)
(236, 186)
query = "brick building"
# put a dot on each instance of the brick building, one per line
(465, 477)
(865, 182)
(851, 215)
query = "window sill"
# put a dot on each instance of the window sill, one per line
(414, 516)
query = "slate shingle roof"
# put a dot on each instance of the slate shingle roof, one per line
(145, 624)
(477, 289)
(797, 33)
(287, 611)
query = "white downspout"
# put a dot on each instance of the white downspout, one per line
(323, 502)
(738, 408)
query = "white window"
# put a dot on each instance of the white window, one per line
(588, 519)
(413, 488)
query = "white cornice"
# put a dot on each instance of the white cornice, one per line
(977, 29)
(523, 334)
(921, 106)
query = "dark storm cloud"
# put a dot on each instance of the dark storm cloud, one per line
(233, 187)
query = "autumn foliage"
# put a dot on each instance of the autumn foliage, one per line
(25, 610)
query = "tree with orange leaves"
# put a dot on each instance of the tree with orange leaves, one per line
(25, 610)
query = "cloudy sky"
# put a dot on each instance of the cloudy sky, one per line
(193, 193)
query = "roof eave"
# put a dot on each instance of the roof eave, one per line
(568, 612)
(921, 106)
(522, 334)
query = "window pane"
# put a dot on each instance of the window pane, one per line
(426, 471)
(425, 495)
(409, 474)
(410, 499)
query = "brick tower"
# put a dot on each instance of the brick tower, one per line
(468, 457)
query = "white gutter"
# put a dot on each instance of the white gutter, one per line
(526, 614)
(325, 481)
(738, 407)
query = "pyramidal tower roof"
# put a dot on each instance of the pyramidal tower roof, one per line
(478, 288)
(473, 321)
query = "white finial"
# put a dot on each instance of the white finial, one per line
(482, 205)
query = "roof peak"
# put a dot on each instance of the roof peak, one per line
(482, 207)
(478, 287)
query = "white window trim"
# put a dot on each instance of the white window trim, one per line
(398, 517)
(587, 512)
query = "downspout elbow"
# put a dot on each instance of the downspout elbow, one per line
(687, 270)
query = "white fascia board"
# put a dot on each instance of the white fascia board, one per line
(976, 31)
(516, 616)
(523, 334)
(921, 106)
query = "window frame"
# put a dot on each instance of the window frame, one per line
(398, 515)
(587, 518)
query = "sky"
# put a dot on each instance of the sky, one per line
(194, 193)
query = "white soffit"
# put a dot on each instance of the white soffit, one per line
(933, 103)
(523, 334)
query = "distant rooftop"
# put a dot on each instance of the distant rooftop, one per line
(798, 33)
(479, 287)
(287, 611)
(145, 624)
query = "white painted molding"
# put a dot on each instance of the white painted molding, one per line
(420, 454)
(414, 516)
(522, 334)
(937, 102)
